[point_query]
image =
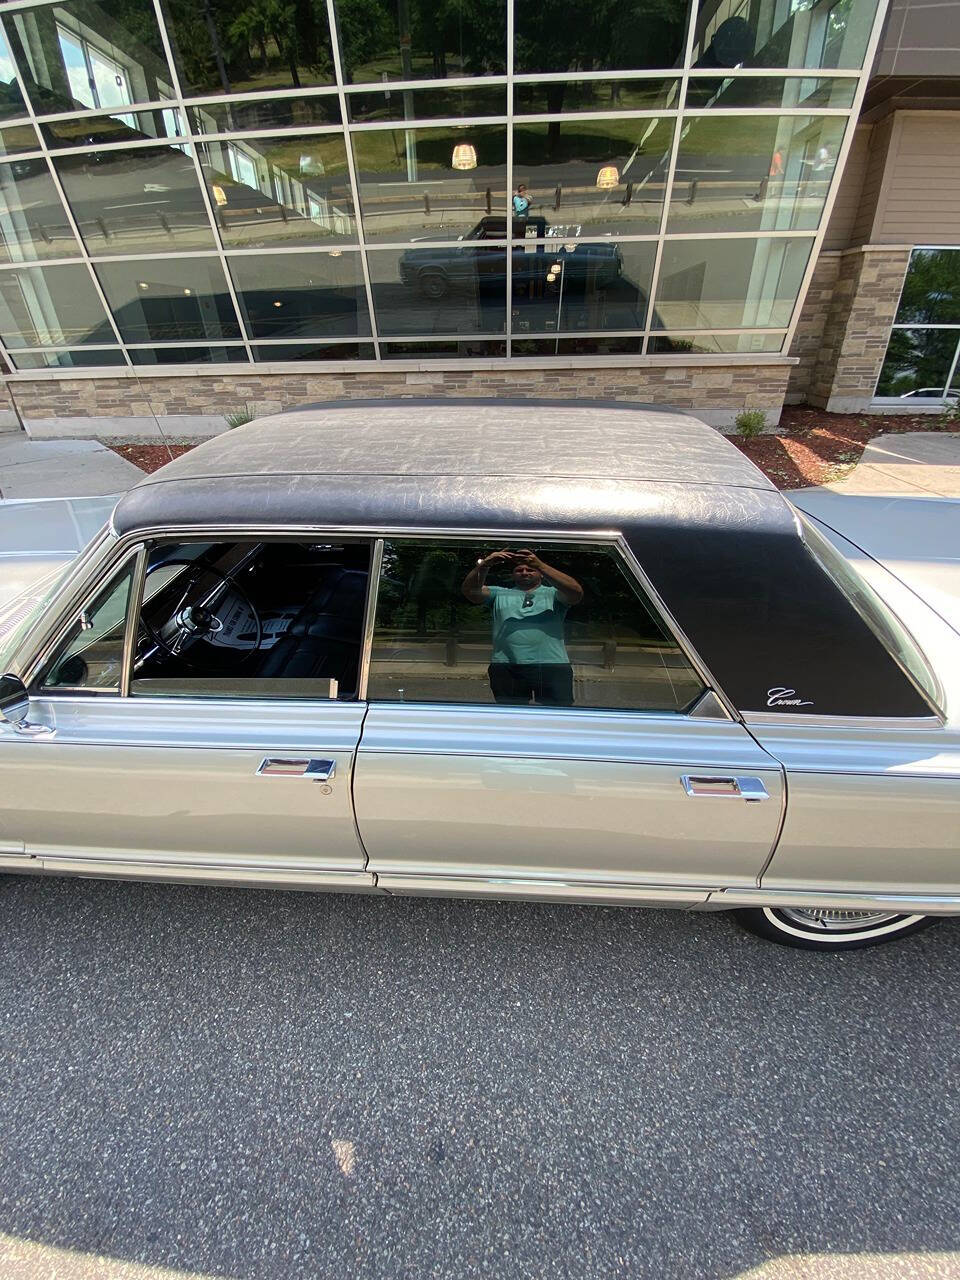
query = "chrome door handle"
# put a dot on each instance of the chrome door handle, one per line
(724, 787)
(297, 767)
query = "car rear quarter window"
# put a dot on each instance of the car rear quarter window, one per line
(573, 630)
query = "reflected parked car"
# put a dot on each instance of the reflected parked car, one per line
(497, 649)
(436, 270)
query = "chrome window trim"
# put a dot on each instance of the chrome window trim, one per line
(133, 613)
(369, 618)
(770, 719)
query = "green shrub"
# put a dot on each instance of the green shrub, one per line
(240, 417)
(750, 422)
(949, 417)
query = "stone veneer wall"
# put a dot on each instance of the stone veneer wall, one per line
(120, 406)
(808, 338)
(857, 327)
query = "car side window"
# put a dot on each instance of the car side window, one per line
(89, 658)
(270, 619)
(560, 624)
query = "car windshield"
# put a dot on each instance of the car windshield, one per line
(878, 616)
(23, 614)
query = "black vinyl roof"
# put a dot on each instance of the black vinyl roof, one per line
(458, 462)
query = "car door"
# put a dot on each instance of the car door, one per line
(637, 787)
(208, 772)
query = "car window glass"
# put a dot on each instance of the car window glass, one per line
(90, 657)
(550, 625)
(249, 619)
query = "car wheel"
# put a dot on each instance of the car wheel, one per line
(433, 285)
(829, 929)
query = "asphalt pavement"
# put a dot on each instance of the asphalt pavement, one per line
(255, 1084)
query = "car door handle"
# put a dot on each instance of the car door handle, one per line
(724, 787)
(297, 767)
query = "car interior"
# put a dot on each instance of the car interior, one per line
(230, 616)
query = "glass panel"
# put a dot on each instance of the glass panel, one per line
(430, 182)
(715, 343)
(570, 35)
(91, 655)
(221, 47)
(88, 54)
(142, 201)
(277, 191)
(316, 295)
(67, 359)
(94, 131)
(12, 104)
(918, 363)
(255, 620)
(554, 96)
(753, 173)
(33, 222)
(169, 299)
(51, 307)
(315, 351)
(277, 113)
(931, 290)
(729, 284)
(18, 137)
(460, 289)
(772, 34)
(410, 104)
(189, 355)
(593, 176)
(777, 91)
(552, 626)
(577, 347)
(380, 40)
(579, 285)
(474, 347)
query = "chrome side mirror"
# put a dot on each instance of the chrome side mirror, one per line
(14, 700)
(15, 707)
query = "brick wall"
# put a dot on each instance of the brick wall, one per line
(857, 328)
(808, 338)
(117, 404)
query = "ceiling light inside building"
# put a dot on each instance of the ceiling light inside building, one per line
(219, 195)
(608, 177)
(464, 156)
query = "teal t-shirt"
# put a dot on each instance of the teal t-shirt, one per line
(527, 635)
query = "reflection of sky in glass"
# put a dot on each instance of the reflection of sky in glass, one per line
(76, 68)
(7, 73)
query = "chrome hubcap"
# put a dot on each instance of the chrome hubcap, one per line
(830, 919)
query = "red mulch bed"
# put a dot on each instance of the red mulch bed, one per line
(149, 457)
(810, 446)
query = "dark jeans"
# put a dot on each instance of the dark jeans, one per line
(548, 683)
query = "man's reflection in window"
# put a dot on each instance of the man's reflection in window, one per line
(530, 661)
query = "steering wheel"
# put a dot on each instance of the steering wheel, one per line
(196, 619)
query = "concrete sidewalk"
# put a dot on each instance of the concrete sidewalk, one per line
(61, 468)
(919, 464)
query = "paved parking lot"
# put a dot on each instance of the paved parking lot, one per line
(254, 1084)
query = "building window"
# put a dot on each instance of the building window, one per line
(924, 348)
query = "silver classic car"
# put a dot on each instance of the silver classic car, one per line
(494, 649)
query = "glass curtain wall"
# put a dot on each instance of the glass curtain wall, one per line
(236, 182)
(923, 353)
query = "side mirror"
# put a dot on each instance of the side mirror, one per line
(14, 700)
(15, 707)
